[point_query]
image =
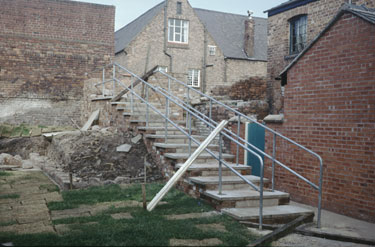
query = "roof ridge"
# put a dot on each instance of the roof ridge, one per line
(157, 5)
(210, 10)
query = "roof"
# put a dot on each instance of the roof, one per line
(291, 4)
(363, 12)
(125, 35)
(228, 31)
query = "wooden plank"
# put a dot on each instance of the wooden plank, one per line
(282, 231)
(94, 116)
(144, 77)
(186, 165)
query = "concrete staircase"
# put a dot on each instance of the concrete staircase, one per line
(237, 199)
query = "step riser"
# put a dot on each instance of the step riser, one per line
(271, 220)
(198, 160)
(245, 203)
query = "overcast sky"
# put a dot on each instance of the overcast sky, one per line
(128, 10)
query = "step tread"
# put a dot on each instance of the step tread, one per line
(268, 212)
(174, 136)
(187, 155)
(163, 128)
(244, 194)
(179, 145)
(225, 179)
(213, 166)
(154, 121)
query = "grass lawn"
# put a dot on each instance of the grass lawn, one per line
(143, 229)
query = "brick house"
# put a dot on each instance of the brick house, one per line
(47, 49)
(291, 26)
(204, 48)
(329, 107)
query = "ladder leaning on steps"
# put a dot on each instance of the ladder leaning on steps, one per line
(166, 93)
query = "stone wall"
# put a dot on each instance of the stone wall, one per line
(47, 49)
(147, 51)
(319, 13)
(333, 114)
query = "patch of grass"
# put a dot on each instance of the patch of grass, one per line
(9, 223)
(42, 126)
(49, 187)
(93, 195)
(9, 196)
(5, 174)
(144, 229)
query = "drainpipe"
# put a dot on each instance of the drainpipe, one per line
(204, 84)
(166, 35)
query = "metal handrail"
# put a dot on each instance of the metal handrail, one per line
(212, 124)
(155, 89)
(275, 133)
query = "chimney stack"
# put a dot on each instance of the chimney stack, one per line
(249, 35)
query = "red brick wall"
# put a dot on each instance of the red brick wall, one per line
(319, 13)
(330, 108)
(49, 47)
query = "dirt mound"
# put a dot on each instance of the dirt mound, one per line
(93, 156)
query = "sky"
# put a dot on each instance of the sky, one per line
(128, 10)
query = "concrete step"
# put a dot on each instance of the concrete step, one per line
(245, 198)
(228, 182)
(175, 138)
(212, 168)
(154, 122)
(204, 156)
(181, 148)
(271, 214)
(162, 128)
(135, 104)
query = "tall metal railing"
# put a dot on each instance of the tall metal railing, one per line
(207, 119)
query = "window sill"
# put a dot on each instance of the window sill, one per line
(290, 57)
(178, 45)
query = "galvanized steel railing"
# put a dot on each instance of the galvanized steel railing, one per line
(234, 137)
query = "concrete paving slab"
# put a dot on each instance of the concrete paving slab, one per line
(191, 216)
(121, 216)
(195, 242)
(212, 227)
(53, 197)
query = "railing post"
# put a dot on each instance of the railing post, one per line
(220, 164)
(210, 112)
(131, 95)
(147, 108)
(114, 81)
(169, 85)
(166, 118)
(319, 223)
(261, 195)
(103, 87)
(238, 137)
(189, 134)
(273, 161)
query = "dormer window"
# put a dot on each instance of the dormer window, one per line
(178, 31)
(298, 34)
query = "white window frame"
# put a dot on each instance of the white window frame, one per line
(178, 33)
(212, 50)
(194, 78)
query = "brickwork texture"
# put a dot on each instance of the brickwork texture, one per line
(330, 108)
(47, 49)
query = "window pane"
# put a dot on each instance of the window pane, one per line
(178, 23)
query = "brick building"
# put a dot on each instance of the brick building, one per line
(204, 48)
(47, 48)
(329, 107)
(291, 26)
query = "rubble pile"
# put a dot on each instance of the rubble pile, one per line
(103, 156)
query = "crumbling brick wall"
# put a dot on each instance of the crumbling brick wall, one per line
(47, 49)
(330, 108)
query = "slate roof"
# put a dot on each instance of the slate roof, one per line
(291, 4)
(363, 12)
(125, 35)
(226, 29)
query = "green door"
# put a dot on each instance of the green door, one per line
(255, 135)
